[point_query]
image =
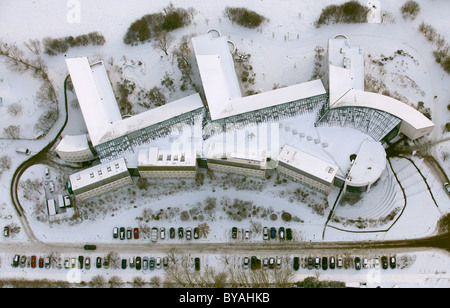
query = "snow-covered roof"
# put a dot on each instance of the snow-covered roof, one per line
(308, 163)
(272, 98)
(346, 87)
(369, 164)
(414, 124)
(217, 71)
(155, 157)
(221, 85)
(95, 96)
(245, 155)
(70, 143)
(150, 117)
(99, 106)
(98, 173)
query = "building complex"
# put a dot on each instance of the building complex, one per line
(118, 142)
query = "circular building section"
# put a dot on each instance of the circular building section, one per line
(367, 168)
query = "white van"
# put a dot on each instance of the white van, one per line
(23, 151)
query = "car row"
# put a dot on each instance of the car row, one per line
(145, 263)
(128, 233)
(32, 262)
(272, 233)
(333, 262)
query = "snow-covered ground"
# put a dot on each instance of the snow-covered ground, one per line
(282, 53)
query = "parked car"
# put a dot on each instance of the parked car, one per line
(324, 263)
(281, 233)
(273, 232)
(132, 262)
(16, 261)
(106, 263)
(197, 264)
(33, 261)
(115, 232)
(23, 261)
(296, 263)
(247, 234)
(246, 262)
(278, 262)
(47, 173)
(392, 262)
(129, 233)
(145, 263)
(138, 263)
(47, 262)
(87, 263)
(51, 186)
(124, 263)
(254, 263)
(73, 262)
(310, 263)
(158, 262)
(122, 233)
(180, 232)
(332, 262)
(66, 263)
(384, 262)
(376, 263)
(152, 263)
(136, 233)
(266, 263)
(98, 262)
(234, 232)
(340, 262)
(188, 233)
(90, 247)
(196, 234)
(271, 262)
(154, 234)
(23, 151)
(357, 263)
(289, 234)
(165, 263)
(365, 263)
(265, 233)
(162, 233)
(6, 231)
(172, 232)
(80, 262)
(317, 262)
(41, 262)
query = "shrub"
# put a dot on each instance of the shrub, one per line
(144, 29)
(410, 9)
(244, 17)
(348, 12)
(60, 45)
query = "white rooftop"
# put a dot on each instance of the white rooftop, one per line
(70, 143)
(95, 97)
(222, 88)
(97, 173)
(310, 164)
(155, 157)
(99, 106)
(369, 164)
(346, 89)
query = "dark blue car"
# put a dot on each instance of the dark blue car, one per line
(273, 232)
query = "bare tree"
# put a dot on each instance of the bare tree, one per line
(34, 46)
(163, 40)
(203, 230)
(15, 109)
(115, 281)
(12, 131)
(98, 281)
(5, 162)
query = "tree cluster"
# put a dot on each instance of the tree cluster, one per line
(244, 17)
(152, 26)
(54, 46)
(348, 12)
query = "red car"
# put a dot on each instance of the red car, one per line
(136, 233)
(41, 262)
(33, 261)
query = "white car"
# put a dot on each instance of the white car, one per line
(47, 173)
(266, 233)
(246, 261)
(51, 186)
